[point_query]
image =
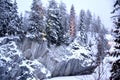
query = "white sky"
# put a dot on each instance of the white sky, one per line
(100, 8)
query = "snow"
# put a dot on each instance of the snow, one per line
(18, 52)
(31, 79)
(109, 37)
(8, 49)
(77, 53)
(29, 63)
(5, 58)
(83, 50)
(9, 37)
(30, 35)
(25, 63)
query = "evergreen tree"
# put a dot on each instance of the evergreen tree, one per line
(9, 19)
(21, 29)
(54, 28)
(5, 10)
(82, 28)
(15, 21)
(72, 24)
(36, 20)
(102, 43)
(63, 17)
(97, 25)
(116, 31)
(26, 24)
(116, 65)
(88, 20)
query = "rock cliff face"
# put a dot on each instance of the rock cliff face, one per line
(33, 50)
(59, 60)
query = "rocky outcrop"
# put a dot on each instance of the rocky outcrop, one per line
(55, 60)
(32, 49)
(72, 67)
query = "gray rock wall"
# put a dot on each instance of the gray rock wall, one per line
(33, 50)
(52, 59)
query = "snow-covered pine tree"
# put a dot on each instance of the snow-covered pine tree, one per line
(102, 43)
(72, 23)
(97, 25)
(26, 21)
(82, 28)
(54, 28)
(88, 20)
(36, 20)
(9, 19)
(116, 65)
(117, 38)
(5, 10)
(15, 21)
(21, 29)
(63, 17)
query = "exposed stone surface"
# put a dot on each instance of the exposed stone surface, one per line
(55, 60)
(72, 67)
